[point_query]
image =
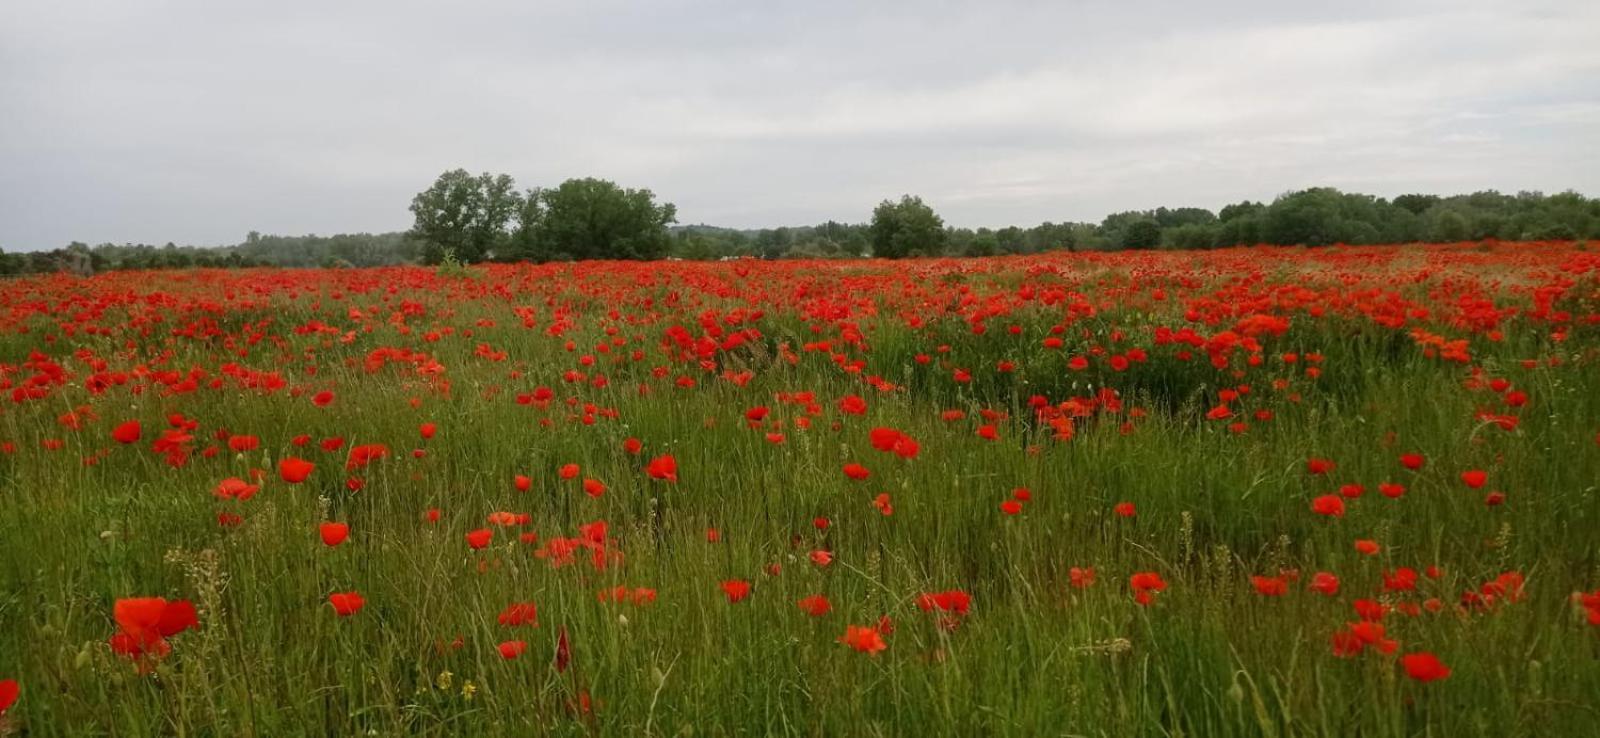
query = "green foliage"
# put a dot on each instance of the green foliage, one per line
(592, 219)
(466, 215)
(451, 267)
(595, 219)
(1141, 234)
(906, 228)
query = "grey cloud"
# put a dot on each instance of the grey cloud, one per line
(197, 121)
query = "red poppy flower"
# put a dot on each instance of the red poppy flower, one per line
(1145, 585)
(519, 613)
(295, 470)
(346, 604)
(864, 639)
(1424, 667)
(126, 433)
(234, 488)
(512, 649)
(816, 605)
(663, 467)
(334, 534)
(953, 601)
(736, 589)
(144, 624)
(1328, 505)
(1325, 583)
(1270, 586)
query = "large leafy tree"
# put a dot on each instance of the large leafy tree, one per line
(906, 228)
(592, 219)
(465, 216)
(1144, 233)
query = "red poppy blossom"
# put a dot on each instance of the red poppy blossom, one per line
(234, 488)
(346, 604)
(334, 534)
(295, 470)
(1145, 586)
(144, 624)
(663, 467)
(1328, 505)
(1424, 667)
(519, 614)
(865, 639)
(512, 649)
(816, 605)
(127, 433)
(736, 589)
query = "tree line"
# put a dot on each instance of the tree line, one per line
(468, 218)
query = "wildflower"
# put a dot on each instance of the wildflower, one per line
(1424, 667)
(864, 639)
(663, 467)
(334, 534)
(294, 470)
(346, 604)
(815, 605)
(126, 433)
(736, 590)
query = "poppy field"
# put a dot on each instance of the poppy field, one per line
(1253, 491)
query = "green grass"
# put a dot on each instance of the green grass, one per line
(1035, 656)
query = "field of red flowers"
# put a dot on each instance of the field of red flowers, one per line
(1344, 491)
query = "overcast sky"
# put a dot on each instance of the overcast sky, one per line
(197, 121)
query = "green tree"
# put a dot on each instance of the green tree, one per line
(984, 244)
(1416, 204)
(593, 219)
(906, 228)
(1144, 233)
(465, 215)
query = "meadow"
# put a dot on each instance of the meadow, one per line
(1254, 491)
